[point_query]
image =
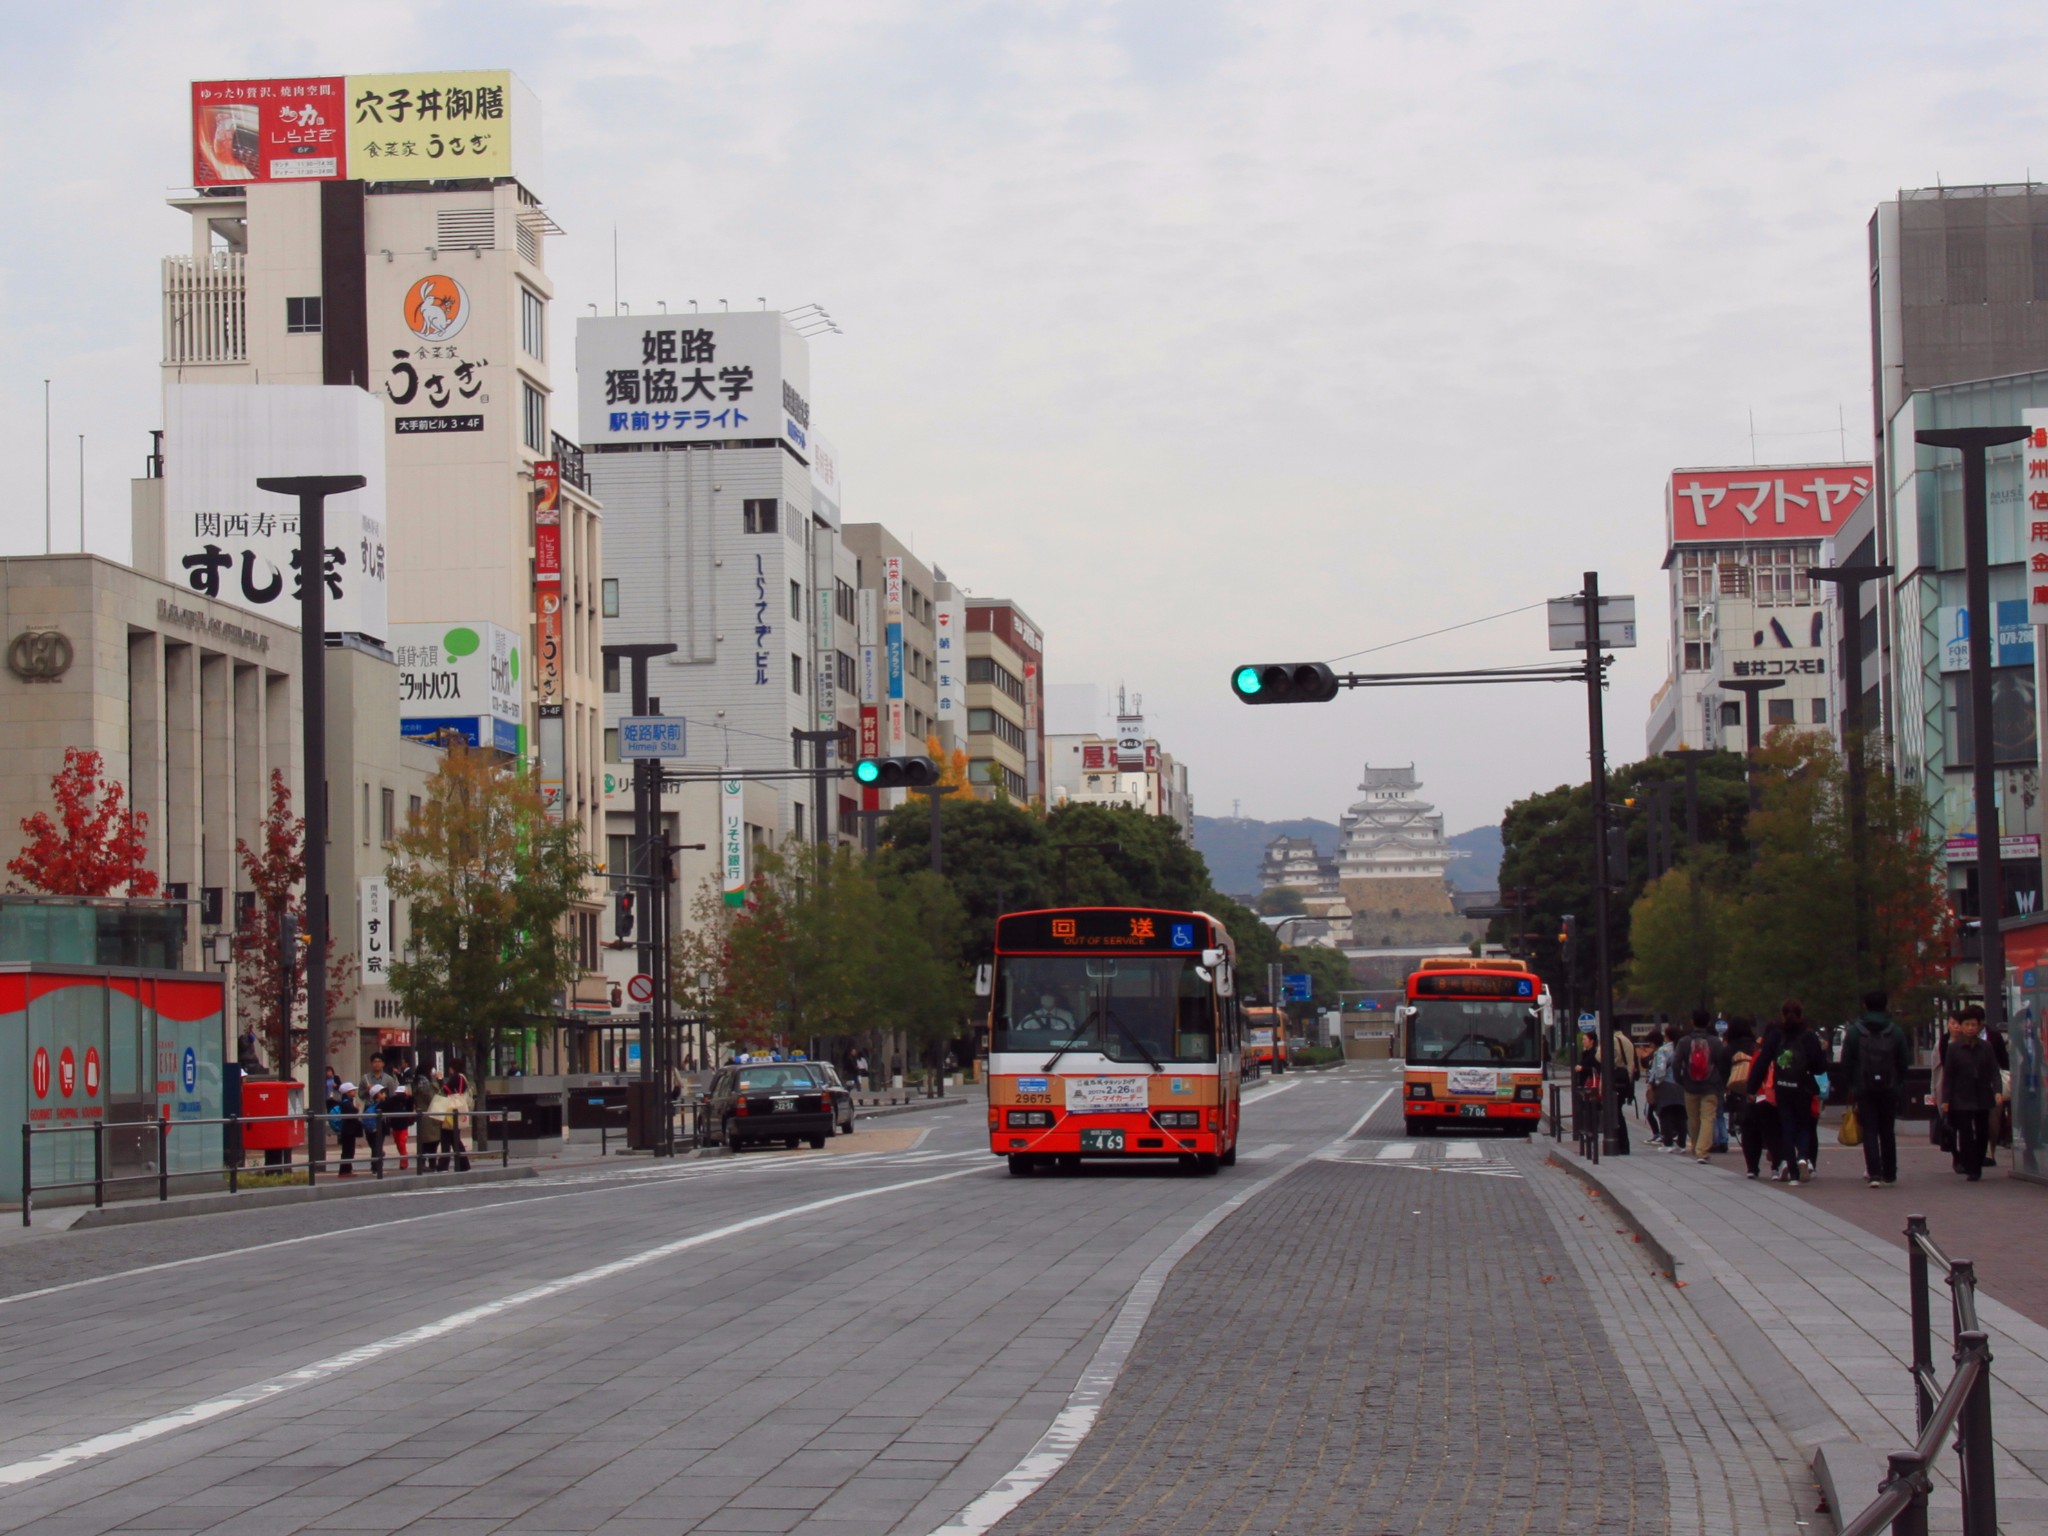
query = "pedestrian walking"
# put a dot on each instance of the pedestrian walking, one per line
(373, 1128)
(1621, 1078)
(1746, 1117)
(1971, 1091)
(345, 1121)
(455, 1086)
(426, 1088)
(1667, 1099)
(1702, 1072)
(860, 1070)
(1796, 1061)
(1875, 1057)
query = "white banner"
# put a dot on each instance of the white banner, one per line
(950, 665)
(733, 843)
(692, 378)
(373, 954)
(1106, 1095)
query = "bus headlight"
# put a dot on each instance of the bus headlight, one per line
(1029, 1119)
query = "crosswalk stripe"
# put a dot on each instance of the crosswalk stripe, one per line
(1463, 1152)
(1398, 1151)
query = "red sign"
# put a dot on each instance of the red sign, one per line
(40, 1073)
(1731, 506)
(67, 1072)
(547, 523)
(1094, 755)
(870, 731)
(268, 130)
(92, 1071)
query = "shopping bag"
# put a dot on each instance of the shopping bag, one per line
(1851, 1132)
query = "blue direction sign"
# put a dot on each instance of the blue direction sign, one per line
(1296, 987)
(642, 736)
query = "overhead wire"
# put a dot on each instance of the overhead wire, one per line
(1447, 629)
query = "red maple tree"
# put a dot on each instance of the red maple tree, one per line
(95, 847)
(276, 872)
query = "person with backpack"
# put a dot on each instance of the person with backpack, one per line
(1875, 1057)
(345, 1121)
(1793, 1060)
(1701, 1067)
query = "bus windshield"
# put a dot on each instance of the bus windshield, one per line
(1128, 1007)
(1474, 1032)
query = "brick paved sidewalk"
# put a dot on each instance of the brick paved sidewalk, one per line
(1813, 1310)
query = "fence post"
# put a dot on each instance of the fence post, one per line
(163, 1158)
(28, 1141)
(1923, 1343)
(309, 1149)
(234, 1129)
(504, 1145)
(1905, 1468)
(99, 1164)
(1973, 1439)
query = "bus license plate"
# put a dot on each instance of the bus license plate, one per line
(1472, 1111)
(1102, 1141)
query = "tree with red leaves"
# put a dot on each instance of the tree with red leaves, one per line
(276, 872)
(95, 847)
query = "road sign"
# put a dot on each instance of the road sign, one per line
(651, 736)
(1568, 623)
(641, 988)
(1297, 987)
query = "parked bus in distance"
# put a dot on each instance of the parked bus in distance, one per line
(1471, 1043)
(1265, 1040)
(1113, 1033)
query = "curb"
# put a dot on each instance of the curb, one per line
(1647, 1235)
(879, 1111)
(291, 1194)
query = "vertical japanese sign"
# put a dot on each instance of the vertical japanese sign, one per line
(374, 951)
(548, 645)
(552, 752)
(733, 840)
(434, 374)
(825, 661)
(950, 665)
(763, 629)
(2034, 487)
(547, 523)
(892, 639)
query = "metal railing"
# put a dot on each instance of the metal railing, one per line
(163, 1173)
(1963, 1406)
(206, 308)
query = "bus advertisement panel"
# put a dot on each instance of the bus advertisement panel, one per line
(1471, 1042)
(1113, 1032)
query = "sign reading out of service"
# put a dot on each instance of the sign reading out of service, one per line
(1457, 984)
(1110, 928)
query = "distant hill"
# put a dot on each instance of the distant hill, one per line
(1233, 847)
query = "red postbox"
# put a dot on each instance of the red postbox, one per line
(260, 1100)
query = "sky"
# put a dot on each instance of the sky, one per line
(1207, 332)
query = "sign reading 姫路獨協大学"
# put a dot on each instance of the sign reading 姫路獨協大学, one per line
(693, 379)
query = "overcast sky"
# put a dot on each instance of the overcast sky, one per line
(1207, 332)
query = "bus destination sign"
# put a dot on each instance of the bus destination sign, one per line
(1473, 984)
(1122, 929)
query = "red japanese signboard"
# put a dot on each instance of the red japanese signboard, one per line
(2034, 488)
(547, 523)
(268, 130)
(1731, 506)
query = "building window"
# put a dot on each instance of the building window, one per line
(1731, 715)
(1782, 711)
(534, 416)
(390, 810)
(1820, 711)
(302, 316)
(533, 324)
(412, 809)
(1699, 656)
(758, 515)
(366, 813)
(611, 674)
(796, 674)
(796, 602)
(610, 589)
(849, 678)
(618, 854)
(611, 744)
(981, 720)
(843, 601)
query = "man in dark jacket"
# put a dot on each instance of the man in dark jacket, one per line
(1970, 1092)
(1701, 1068)
(1874, 1061)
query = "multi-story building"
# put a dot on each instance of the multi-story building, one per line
(1128, 769)
(1738, 545)
(1295, 863)
(897, 597)
(386, 234)
(1005, 737)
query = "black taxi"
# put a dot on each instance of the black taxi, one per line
(754, 1103)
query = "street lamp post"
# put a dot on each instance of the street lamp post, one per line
(646, 806)
(1972, 442)
(1851, 580)
(1752, 725)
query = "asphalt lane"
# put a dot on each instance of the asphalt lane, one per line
(771, 1342)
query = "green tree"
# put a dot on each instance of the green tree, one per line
(1675, 929)
(488, 876)
(995, 852)
(1281, 901)
(1328, 971)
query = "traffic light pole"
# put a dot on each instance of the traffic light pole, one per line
(647, 778)
(1594, 670)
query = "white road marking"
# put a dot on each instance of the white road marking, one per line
(1056, 1447)
(1398, 1151)
(14, 1474)
(1463, 1152)
(1271, 1149)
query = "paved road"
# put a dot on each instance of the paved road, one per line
(846, 1342)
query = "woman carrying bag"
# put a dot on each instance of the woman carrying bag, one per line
(426, 1088)
(455, 1086)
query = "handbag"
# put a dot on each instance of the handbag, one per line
(1768, 1093)
(445, 1109)
(1851, 1132)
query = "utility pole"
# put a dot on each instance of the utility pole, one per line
(821, 819)
(1971, 442)
(646, 806)
(1850, 579)
(312, 492)
(1596, 740)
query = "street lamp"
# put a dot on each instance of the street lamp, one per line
(1851, 579)
(1752, 725)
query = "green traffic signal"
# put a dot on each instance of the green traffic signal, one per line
(1290, 682)
(867, 770)
(1247, 680)
(896, 772)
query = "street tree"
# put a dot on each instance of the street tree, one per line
(270, 980)
(96, 846)
(488, 876)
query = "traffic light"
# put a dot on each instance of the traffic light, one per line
(622, 914)
(896, 772)
(1567, 935)
(1284, 682)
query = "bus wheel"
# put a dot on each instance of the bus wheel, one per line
(1206, 1163)
(1019, 1165)
(1067, 1162)
(1187, 1161)
(1229, 1159)
(1420, 1127)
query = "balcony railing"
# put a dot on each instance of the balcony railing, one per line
(206, 309)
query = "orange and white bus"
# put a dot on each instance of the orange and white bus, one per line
(1265, 1040)
(1472, 1042)
(1113, 1033)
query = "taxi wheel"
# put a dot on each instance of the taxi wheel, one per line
(1019, 1165)
(725, 1136)
(789, 1142)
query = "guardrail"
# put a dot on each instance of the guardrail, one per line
(163, 1174)
(1962, 1405)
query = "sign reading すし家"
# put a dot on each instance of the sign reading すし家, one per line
(692, 378)
(226, 539)
(1732, 506)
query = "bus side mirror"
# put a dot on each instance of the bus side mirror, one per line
(984, 980)
(1211, 958)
